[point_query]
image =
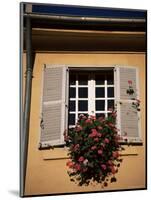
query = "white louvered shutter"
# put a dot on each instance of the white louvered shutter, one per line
(54, 105)
(128, 118)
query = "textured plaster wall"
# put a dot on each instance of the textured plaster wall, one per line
(46, 170)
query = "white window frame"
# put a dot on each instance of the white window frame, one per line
(91, 94)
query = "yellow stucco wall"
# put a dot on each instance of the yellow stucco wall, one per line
(45, 173)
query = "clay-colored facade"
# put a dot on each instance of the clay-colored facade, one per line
(46, 169)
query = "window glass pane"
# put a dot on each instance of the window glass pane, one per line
(83, 105)
(110, 104)
(110, 91)
(72, 105)
(110, 78)
(99, 105)
(100, 115)
(83, 92)
(72, 79)
(83, 79)
(99, 79)
(72, 93)
(99, 92)
(71, 119)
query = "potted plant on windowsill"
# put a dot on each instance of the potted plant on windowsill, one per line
(94, 150)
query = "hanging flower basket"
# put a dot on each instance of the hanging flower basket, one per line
(94, 150)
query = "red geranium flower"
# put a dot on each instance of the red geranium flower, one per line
(96, 139)
(113, 170)
(93, 117)
(93, 147)
(115, 154)
(110, 162)
(77, 167)
(111, 124)
(100, 151)
(99, 135)
(70, 164)
(94, 133)
(81, 159)
(103, 166)
(76, 147)
(88, 121)
(100, 128)
(106, 140)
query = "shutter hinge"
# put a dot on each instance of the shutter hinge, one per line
(44, 66)
(66, 105)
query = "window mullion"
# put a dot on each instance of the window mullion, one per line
(76, 111)
(91, 95)
(106, 98)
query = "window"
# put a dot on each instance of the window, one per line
(90, 93)
(67, 93)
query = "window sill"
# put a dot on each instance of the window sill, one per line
(129, 151)
(131, 143)
(55, 154)
(62, 153)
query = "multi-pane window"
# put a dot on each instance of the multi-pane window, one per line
(90, 93)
